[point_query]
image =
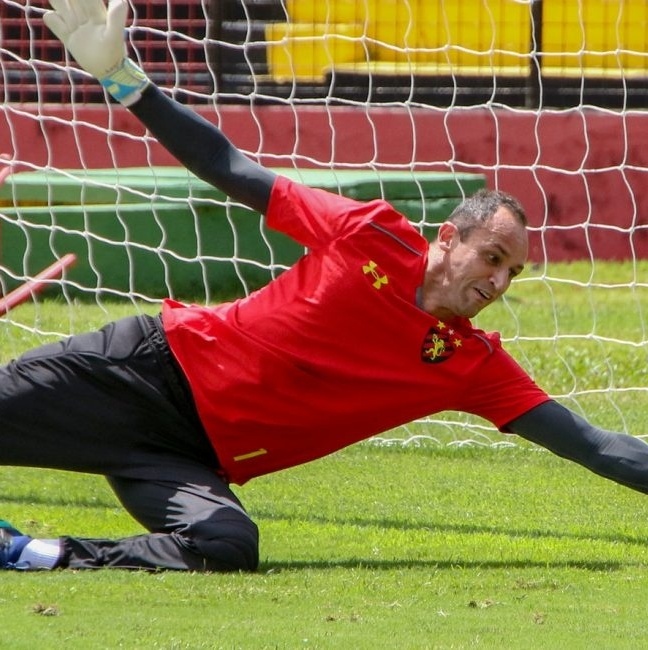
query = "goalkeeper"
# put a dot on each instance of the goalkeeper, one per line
(368, 330)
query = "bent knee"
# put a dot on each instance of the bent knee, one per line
(229, 543)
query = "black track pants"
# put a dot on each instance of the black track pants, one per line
(113, 402)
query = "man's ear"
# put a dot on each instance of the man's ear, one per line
(447, 235)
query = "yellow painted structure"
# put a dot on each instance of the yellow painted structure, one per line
(493, 37)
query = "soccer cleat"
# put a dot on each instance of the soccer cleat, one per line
(12, 543)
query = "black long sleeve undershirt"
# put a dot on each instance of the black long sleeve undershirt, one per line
(616, 456)
(203, 149)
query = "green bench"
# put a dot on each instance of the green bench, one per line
(160, 231)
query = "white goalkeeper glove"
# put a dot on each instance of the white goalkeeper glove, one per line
(94, 36)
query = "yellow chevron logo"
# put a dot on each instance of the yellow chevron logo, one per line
(371, 268)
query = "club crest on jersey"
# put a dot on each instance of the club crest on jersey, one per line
(439, 343)
(371, 269)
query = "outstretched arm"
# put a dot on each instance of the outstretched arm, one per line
(616, 456)
(204, 149)
(94, 36)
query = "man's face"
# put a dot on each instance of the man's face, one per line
(479, 269)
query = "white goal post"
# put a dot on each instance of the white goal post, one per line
(418, 101)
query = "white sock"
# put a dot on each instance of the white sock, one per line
(41, 554)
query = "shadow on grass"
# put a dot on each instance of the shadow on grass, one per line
(462, 529)
(31, 500)
(431, 527)
(442, 565)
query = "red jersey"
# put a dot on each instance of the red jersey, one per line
(335, 349)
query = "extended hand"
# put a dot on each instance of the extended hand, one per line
(93, 35)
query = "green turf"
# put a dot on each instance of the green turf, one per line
(370, 548)
(428, 546)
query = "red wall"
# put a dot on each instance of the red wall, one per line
(570, 168)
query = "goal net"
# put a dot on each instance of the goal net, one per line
(417, 101)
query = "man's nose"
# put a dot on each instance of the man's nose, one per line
(501, 280)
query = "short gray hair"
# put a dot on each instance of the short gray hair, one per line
(477, 209)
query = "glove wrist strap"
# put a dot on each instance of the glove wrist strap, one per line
(125, 83)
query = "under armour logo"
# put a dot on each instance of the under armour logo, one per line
(371, 268)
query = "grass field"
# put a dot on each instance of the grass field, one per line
(428, 546)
